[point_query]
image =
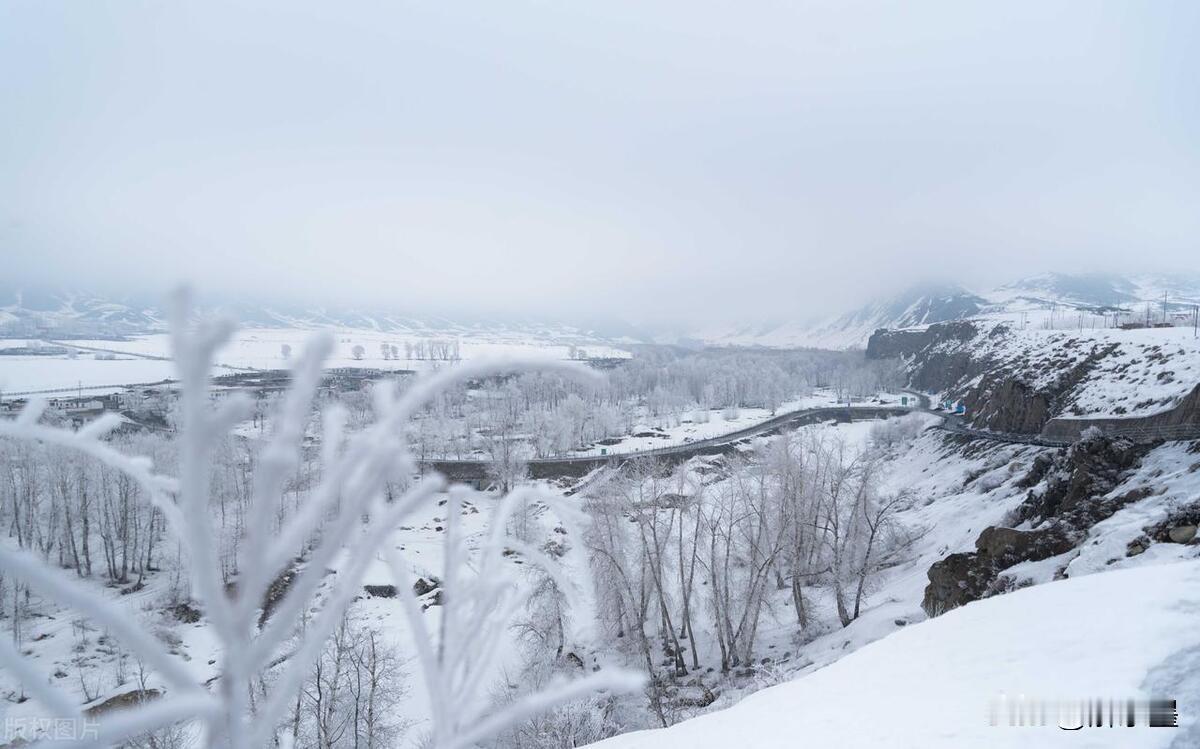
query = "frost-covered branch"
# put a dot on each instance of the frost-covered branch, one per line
(477, 611)
(353, 479)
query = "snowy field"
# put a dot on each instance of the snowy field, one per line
(23, 373)
(261, 348)
(252, 348)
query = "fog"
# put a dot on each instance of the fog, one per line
(661, 162)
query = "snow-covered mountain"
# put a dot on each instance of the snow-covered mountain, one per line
(1054, 300)
(40, 313)
(920, 305)
(1100, 290)
(28, 312)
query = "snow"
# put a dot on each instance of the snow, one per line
(256, 348)
(1168, 473)
(354, 479)
(930, 685)
(261, 348)
(1046, 302)
(23, 373)
(959, 494)
(1135, 372)
(716, 422)
(877, 669)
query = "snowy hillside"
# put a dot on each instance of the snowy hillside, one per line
(929, 685)
(1048, 301)
(877, 681)
(922, 305)
(954, 493)
(27, 312)
(1055, 382)
(34, 313)
(1119, 372)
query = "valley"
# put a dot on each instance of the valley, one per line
(944, 512)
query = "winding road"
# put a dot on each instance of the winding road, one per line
(476, 470)
(545, 468)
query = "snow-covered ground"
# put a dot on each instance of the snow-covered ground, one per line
(24, 373)
(1050, 301)
(948, 516)
(841, 689)
(1136, 372)
(257, 348)
(893, 678)
(701, 425)
(960, 493)
(261, 348)
(931, 685)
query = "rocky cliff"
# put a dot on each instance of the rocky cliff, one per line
(1056, 383)
(1069, 492)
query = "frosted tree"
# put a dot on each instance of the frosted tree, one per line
(347, 512)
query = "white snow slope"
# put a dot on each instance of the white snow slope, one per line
(1051, 301)
(1122, 634)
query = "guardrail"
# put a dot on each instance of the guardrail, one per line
(1012, 439)
(1150, 433)
(1168, 433)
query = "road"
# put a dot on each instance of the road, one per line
(463, 470)
(134, 354)
(956, 424)
(1137, 433)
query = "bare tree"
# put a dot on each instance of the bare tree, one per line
(346, 515)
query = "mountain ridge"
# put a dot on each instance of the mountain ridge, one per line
(30, 312)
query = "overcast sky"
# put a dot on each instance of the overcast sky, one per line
(653, 160)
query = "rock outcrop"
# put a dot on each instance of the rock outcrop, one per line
(1068, 494)
(1003, 404)
(1076, 482)
(935, 358)
(969, 576)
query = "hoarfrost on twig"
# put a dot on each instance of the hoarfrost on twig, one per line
(354, 475)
